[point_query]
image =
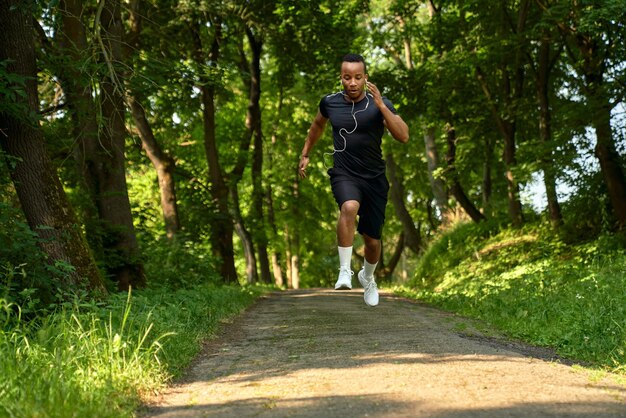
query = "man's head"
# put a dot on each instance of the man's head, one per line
(353, 75)
(355, 58)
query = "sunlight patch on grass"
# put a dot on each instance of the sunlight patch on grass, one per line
(533, 287)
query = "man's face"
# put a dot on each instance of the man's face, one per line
(353, 79)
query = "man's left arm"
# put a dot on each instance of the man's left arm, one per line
(398, 129)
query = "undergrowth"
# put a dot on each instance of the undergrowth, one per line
(100, 359)
(531, 285)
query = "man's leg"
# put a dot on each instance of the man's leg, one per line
(372, 249)
(366, 275)
(346, 226)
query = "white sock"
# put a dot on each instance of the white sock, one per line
(345, 257)
(369, 269)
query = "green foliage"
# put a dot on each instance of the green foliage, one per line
(13, 100)
(179, 263)
(535, 287)
(27, 279)
(91, 359)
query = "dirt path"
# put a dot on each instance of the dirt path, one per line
(323, 353)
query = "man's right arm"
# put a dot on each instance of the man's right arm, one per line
(315, 132)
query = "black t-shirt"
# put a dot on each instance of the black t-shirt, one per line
(357, 133)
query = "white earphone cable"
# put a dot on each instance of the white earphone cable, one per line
(356, 125)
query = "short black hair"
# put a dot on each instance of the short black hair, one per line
(355, 58)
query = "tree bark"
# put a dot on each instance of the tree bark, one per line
(39, 189)
(124, 260)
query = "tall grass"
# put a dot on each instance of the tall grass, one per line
(534, 287)
(90, 359)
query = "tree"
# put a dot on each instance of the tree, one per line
(594, 39)
(41, 195)
(163, 162)
(542, 67)
(222, 231)
(112, 193)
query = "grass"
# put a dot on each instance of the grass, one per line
(531, 285)
(90, 359)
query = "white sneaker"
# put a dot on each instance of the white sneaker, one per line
(344, 281)
(371, 290)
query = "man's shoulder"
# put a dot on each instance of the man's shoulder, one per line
(332, 97)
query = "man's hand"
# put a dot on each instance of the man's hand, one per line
(304, 161)
(378, 98)
(394, 123)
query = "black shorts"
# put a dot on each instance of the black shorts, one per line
(370, 193)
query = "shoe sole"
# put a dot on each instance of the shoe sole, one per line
(343, 287)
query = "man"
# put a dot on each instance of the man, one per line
(358, 115)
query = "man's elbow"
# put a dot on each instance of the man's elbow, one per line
(403, 137)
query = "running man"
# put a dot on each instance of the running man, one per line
(359, 115)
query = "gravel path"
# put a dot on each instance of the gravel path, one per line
(324, 353)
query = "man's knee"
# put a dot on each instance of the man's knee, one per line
(350, 208)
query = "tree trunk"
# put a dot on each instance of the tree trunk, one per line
(252, 275)
(610, 163)
(164, 165)
(294, 240)
(222, 230)
(507, 130)
(605, 150)
(591, 65)
(277, 271)
(487, 181)
(292, 258)
(413, 239)
(456, 189)
(387, 270)
(71, 41)
(437, 186)
(253, 123)
(545, 129)
(511, 91)
(288, 257)
(123, 260)
(295, 262)
(39, 189)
